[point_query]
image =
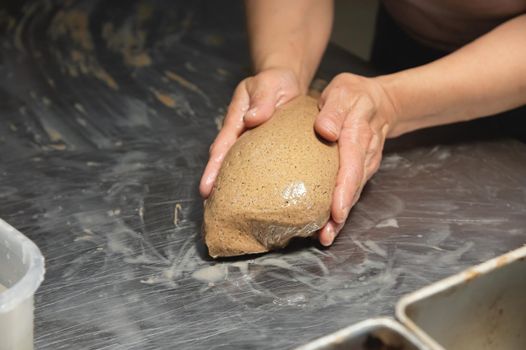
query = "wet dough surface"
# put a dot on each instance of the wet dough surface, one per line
(276, 183)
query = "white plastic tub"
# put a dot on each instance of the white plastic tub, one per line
(21, 272)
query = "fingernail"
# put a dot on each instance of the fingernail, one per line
(251, 113)
(330, 235)
(210, 179)
(346, 211)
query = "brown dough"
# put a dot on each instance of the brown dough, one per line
(276, 183)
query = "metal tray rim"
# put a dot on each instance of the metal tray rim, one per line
(447, 283)
(357, 327)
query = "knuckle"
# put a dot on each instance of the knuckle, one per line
(264, 74)
(253, 84)
(260, 95)
(256, 97)
(243, 85)
(266, 78)
(349, 78)
(248, 81)
(342, 77)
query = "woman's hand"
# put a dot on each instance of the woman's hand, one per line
(357, 113)
(254, 101)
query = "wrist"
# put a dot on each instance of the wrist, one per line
(278, 62)
(394, 107)
(419, 100)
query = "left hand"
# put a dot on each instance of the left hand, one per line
(358, 113)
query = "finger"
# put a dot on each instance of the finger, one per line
(357, 194)
(373, 166)
(329, 232)
(353, 143)
(232, 128)
(334, 108)
(218, 152)
(348, 180)
(373, 148)
(237, 109)
(263, 101)
(374, 155)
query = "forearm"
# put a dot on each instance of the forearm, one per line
(289, 34)
(483, 78)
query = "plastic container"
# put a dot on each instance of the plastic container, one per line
(21, 273)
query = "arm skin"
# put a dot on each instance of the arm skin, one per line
(291, 34)
(483, 78)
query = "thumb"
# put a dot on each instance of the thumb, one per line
(262, 105)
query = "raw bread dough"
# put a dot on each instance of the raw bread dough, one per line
(276, 183)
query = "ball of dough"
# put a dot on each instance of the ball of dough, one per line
(275, 183)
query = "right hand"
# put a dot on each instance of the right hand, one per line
(253, 103)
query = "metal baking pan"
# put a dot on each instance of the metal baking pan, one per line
(372, 334)
(481, 308)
